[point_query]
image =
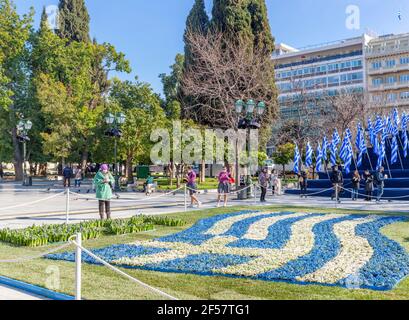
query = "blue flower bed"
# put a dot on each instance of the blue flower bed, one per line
(388, 266)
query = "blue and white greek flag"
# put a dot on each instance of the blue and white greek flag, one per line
(348, 159)
(404, 122)
(308, 156)
(325, 146)
(334, 151)
(405, 143)
(396, 120)
(394, 156)
(378, 125)
(344, 148)
(336, 139)
(297, 159)
(381, 155)
(319, 158)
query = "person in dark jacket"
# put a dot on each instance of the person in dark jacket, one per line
(67, 174)
(303, 180)
(369, 185)
(379, 180)
(337, 180)
(356, 182)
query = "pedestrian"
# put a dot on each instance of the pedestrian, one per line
(263, 182)
(192, 187)
(148, 186)
(303, 181)
(104, 181)
(274, 182)
(78, 175)
(356, 183)
(67, 175)
(337, 180)
(379, 181)
(224, 186)
(369, 185)
(1, 172)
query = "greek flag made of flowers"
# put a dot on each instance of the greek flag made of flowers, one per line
(329, 249)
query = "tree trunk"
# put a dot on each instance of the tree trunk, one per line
(129, 169)
(18, 157)
(84, 158)
(284, 171)
(203, 172)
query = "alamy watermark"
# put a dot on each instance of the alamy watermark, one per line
(353, 20)
(52, 14)
(213, 146)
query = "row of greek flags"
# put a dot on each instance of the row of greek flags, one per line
(380, 131)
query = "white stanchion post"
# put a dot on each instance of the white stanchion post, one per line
(185, 198)
(67, 207)
(78, 261)
(255, 195)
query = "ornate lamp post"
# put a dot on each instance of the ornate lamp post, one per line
(23, 127)
(248, 118)
(115, 121)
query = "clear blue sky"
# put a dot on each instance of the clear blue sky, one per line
(150, 32)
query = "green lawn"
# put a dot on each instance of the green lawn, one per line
(101, 283)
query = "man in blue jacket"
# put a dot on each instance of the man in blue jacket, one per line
(379, 180)
(67, 174)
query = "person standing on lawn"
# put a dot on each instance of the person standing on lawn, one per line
(337, 180)
(224, 186)
(104, 181)
(274, 182)
(192, 187)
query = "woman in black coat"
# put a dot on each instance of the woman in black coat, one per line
(369, 185)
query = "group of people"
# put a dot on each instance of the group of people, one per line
(225, 180)
(371, 181)
(68, 173)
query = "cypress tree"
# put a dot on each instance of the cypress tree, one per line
(260, 26)
(232, 18)
(73, 20)
(197, 22)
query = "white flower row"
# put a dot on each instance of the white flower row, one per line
(260, 229)
(355, 253)
(225, 225)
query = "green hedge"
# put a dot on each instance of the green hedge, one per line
(37, 236)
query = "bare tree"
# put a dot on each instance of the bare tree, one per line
(225, 71)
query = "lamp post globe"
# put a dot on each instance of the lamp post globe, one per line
(121, 118)
(261, 108)
(250, 106)
(110, 118)
(239, 106)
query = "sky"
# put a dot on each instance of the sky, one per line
(150, 32)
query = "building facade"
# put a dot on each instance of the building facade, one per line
(378, 66)
(388, 70)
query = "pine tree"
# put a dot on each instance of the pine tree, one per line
(73, 20)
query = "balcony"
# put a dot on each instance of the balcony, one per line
(384, 70)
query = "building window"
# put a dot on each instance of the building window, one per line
(376, 65)
(404, 95)
(404, 78)
(390, 63)
(377, 82)
(392, 97)
(404, 60)
(391, 80)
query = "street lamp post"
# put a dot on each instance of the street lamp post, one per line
(247, 120)
(23, 127)
(115, 121)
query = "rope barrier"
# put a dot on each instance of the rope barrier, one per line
(374, 197)
(106, 264)
(25, 259)
(127, 200)
(33, 202)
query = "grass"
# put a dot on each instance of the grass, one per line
(101, 283)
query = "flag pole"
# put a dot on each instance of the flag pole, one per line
(369, 158)
(400, 157)
(387, 163)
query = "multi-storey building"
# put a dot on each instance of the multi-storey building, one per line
(376, 65)
(325, 69)
(388, 70)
